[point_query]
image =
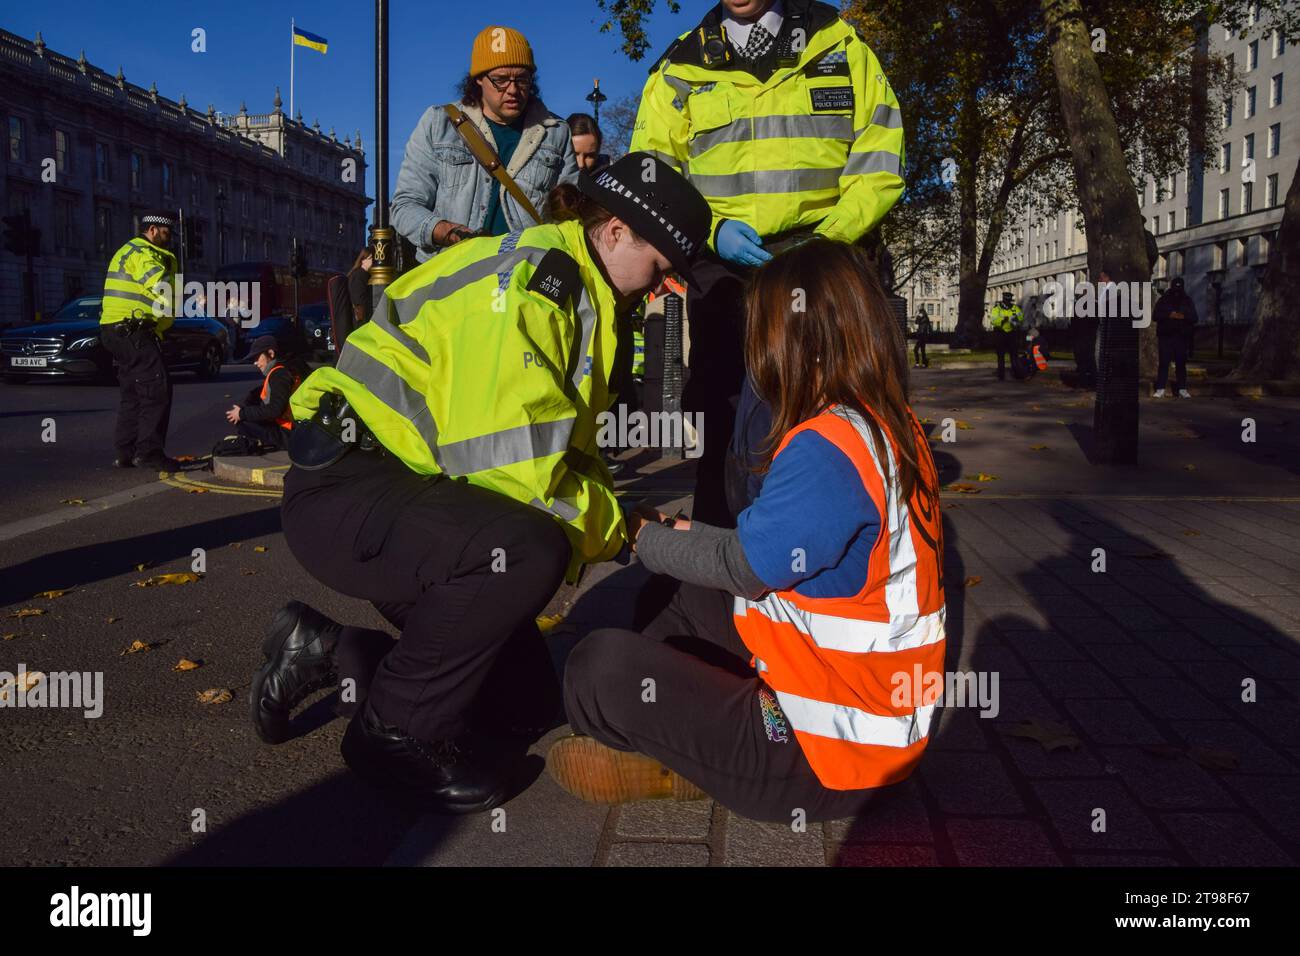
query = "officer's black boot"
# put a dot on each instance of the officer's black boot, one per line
(445, 775)
(299, 654)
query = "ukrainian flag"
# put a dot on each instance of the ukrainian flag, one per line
(302, 38)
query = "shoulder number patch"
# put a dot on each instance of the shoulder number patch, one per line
(832, 98)
(556, 277)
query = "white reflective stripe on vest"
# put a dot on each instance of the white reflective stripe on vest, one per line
(833, 633)
(856, 726)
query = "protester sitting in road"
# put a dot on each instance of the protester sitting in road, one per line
(587, 140)
(784, 673)
(265, 416)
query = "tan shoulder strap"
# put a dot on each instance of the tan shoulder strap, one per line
(487, 158)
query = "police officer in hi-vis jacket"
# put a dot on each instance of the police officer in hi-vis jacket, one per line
(781, 116)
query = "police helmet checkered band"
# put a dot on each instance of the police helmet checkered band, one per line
(155, 220)
(608, 180)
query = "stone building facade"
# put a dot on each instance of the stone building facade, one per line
(86, 153)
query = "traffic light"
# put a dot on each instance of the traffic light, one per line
(17, 234)
(299, 261)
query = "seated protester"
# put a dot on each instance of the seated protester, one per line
(786, 669)
(265, 415)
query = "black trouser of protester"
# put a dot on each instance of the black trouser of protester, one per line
(268, 433)
(145, 389)
(1006, 345)
(918, 351)
(1173, 348)
(423, 551)
(713, 721)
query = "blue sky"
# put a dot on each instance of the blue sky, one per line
(248, 52)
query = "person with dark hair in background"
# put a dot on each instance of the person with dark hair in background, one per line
(448, 471)
(587, 141)
(264, 415)
(359, 287)
(923, 330)
(443, 194)
(777, 664)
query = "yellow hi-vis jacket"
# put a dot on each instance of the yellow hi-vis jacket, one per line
(816, 144)
(139, 285)
(1006, 319)
(491, 362)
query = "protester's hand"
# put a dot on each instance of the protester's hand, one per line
(232, 416)
(739, 244)
(447, 233)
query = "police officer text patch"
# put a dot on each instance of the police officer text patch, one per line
(827, 66)
(556, 277)
(832, 98)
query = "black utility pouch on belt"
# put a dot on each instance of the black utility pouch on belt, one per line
(318, 442)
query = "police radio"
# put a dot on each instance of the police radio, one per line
(792, 41)
(715, 51)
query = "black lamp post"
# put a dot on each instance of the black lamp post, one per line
(595, 98)
(1216, 285)
(221, 225)
(383, 240)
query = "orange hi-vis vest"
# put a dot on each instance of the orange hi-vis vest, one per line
(285, 420)
(859, 677)
(1039, 359)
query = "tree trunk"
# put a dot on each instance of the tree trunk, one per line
(970, 291)
(1112, 222)
(1272, 349)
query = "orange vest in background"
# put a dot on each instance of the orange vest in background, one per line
(285, 420)
(859, 677)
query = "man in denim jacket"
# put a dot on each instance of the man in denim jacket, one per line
(443, 195)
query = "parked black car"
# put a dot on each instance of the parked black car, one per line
(67, 346)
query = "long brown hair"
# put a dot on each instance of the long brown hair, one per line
(821, 333)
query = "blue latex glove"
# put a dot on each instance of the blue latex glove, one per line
(739, 244)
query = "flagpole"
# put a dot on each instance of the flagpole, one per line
(291, 46)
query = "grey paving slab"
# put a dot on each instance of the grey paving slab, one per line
(1092, 630)
(1033, 761)
(1274, 799)
(1024, 700)
(1225, 839)
(1167, 782)
(1114, 722)
(960, 730)
(1179, 646)
(750, 843)
(1065, 680)
(1239, 740)
(1117, 859)
(970, 783)
(1171, 697)
(1001, 843)
(665, 820)
(895, 815)
(1071, 806)
(1043, 646)
(1126, 660)
(657, 854)
(883, 855)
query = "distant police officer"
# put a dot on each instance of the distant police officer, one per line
(137, 312)
(470, 482)
(1007, 319)
(781, 116)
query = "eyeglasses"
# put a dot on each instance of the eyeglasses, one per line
(524, 83)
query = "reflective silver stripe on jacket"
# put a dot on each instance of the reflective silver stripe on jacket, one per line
(442, 287)
(887, 116)
(876, 161)
(775, 127)
(130, 297)
(507, 447)
(391, 389)
(766, 181)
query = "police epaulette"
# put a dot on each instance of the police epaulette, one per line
(672, 47)
(556, 277)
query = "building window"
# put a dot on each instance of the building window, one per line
(17, 139)
(1279, 44)
(1247, 196)
(1270, 190)
(1226, 118)
(137, 172)
(1225, 157)
(1275, 91)
(1155, 225)
(103, 230)
(167, 179)
(103, 171)
(243, 202)
(1225, 203)
(1250, 102)
(1252, 55)
(196, 190)
(62, 154)
(1265, 248)
(1248, 146)
(1274, 139)
(1173, 222)
(1220, 255)
(266, 206)
(65, 228)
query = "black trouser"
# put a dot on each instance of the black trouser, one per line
(1173, 348)
(712, 720)
(268, 433)
(423, 552)
(918, 351)
(1006, 345)
(715, 304)
(145, 404)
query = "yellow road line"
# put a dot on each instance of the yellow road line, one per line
(184, 483)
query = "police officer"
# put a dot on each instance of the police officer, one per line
(136, 314)
(1007, 319)
(448, 470)
(787, 88)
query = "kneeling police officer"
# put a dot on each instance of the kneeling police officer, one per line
(447, 471)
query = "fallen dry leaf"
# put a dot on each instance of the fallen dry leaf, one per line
(965, 426)
(144, 564)
(1212, 759)
(964, 489)
(1062, 421)
(8, 637)
(29, 680)
(1192, 534)
(215, 695)
(1051, 735)
(28, 612)
(983, 477)
(260, 549)
(185, 458)
(112, 620)
(973, 580)
(187, 665)
(136, 648)
(184, 577)
(1035, 408)
(546, 623)
(51, 595)
(1038, 448)
(197, 491)
(1189, 467)
(74, 501)
(247, 572)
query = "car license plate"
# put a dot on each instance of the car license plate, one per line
(25, 362)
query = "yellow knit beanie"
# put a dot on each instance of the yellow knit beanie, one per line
(499, 46)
